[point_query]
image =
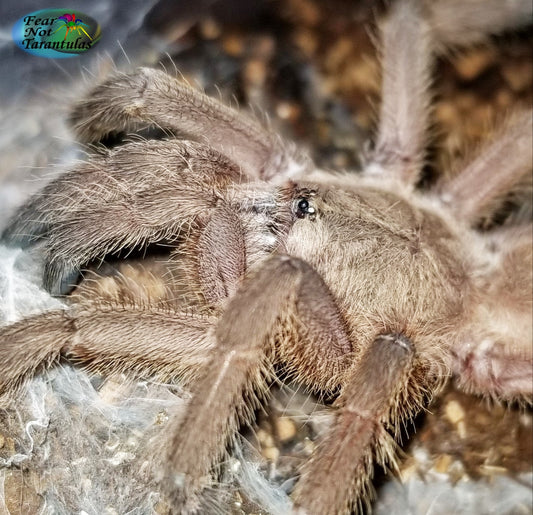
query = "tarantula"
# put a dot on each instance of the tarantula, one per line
(358, 285)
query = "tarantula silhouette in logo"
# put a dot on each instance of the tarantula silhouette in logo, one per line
(358, 285)
(71, 24)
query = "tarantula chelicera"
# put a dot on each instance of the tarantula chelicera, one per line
(358, 285)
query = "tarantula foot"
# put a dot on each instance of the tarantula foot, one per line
(16, 236)
(183, 496)
(60, 277)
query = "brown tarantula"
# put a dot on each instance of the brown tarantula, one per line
(358, 285)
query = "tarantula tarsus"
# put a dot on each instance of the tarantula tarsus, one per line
(358, 285)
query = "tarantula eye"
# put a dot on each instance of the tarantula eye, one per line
(304, 208)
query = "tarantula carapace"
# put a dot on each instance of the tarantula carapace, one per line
(358, 285)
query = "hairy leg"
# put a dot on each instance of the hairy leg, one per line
(137, 194)
(108, 338)
(406, 47)
(495, 356)
(411, 33)
(338, 472)
(153, 98)
(500, 167)
(235, 379)
(456, 22)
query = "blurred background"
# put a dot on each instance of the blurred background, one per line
(311, 67)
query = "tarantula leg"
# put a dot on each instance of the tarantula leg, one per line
(404, 114)
(494, 369)
(151, 97)
(411, 33)
(338, 473)
(235, 379)
(480, 187)
(134, 195)
(478, 19)
(29, 344)
(495, 357)
(106, 338)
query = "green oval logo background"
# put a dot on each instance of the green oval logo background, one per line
(56, 33)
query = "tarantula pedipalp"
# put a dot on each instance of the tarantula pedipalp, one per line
(352, 283)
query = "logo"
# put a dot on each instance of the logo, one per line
(56, 33)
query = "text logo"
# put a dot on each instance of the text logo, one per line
(56, 33)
